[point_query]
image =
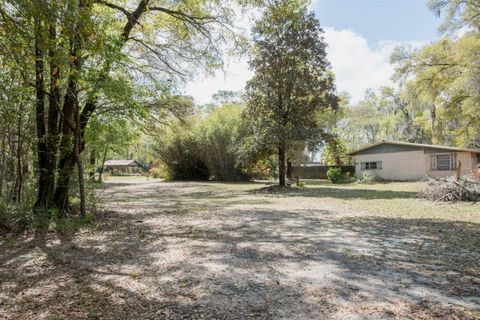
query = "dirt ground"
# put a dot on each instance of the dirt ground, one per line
(223, 251)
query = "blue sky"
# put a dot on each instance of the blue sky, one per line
(376, 20)
(360, 34)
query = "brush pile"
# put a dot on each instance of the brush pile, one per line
(466, 188)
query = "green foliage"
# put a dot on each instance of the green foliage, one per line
(458, 13)
(335, 175)
(442, 77)
(292, 81)
(181, 153)
(70, 225)
(75, 76)
(219, 135)
(204, 149)
(160, 172)
(335, 152)
(15, 217)
(368, 178)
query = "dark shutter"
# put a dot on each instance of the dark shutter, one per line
(453, 161)
(443, 162)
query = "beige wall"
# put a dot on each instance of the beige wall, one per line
(408, 165)
(466, 158)
(411, 165)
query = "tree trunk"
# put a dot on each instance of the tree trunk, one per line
(66, 163)
(42, 197)
(68, 159)
(281, 166)
(19, 170)
(3, 159)
(80, 170)
(93, 160)
(289, 169)
(67, 148)
(103, 164)
(53, 115)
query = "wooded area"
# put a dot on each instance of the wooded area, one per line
(209, 217)
(86, 80)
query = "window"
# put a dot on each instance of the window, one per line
(443, 162)
(372, 165)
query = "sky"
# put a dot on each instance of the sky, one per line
(360, 34)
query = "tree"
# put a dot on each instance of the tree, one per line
(107, 134)
(76, 54)
(292, 80)
(444, 76)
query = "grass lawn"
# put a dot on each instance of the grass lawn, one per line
(190, 250)
(394, 199)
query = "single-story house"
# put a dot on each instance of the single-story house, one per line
(122, 166)
(391, 160)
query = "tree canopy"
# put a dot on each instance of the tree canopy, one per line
(292, 81)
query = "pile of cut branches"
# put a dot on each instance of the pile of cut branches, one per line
(452, 189)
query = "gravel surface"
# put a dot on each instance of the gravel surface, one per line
(223, 251)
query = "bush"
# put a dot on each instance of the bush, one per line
(335, 175)
(205, 149)
(159, 172)
(368, 178)
(182, 158)
(218, 136)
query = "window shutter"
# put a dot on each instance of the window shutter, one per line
(444, 162)
(453, 161)
(433, 162)
(379, 165)
(362, 165)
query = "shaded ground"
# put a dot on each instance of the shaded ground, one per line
(204, 250)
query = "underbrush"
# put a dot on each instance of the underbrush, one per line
(336, 175)
(17, 217)
(71, 224)
(368, 178)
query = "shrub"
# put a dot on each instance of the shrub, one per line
(205, 149)
(182, 158)
(159, 172)
(368, 178)
(335, 175)
(218, 134)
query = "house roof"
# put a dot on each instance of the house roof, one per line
(121, 163)
(419, 145)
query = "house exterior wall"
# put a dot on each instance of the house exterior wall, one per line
(404, 165)
(466, 158)
(409, 164)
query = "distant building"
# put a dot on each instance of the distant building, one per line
(122, 166)
(393, 160)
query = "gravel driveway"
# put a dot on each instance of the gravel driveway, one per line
(222, 251)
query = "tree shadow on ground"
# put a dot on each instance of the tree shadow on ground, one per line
(243, 264)
(364, 194)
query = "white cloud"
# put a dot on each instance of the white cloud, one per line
(357, 65)
(233, 78)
